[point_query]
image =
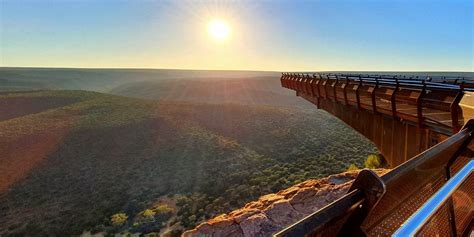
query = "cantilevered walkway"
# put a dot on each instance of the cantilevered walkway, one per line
(402, 115)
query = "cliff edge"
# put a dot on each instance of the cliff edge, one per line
(273, 212)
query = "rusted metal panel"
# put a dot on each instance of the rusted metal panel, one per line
(334, 88)
(398, 141)
(419, 108)
(454, 107)
(466, 106)
(387, 138)
(377, 139)
(413, 140)
(316, 87)
(322, 87)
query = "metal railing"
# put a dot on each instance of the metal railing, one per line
(436, 82)
(448, 82)
(421, 217)
(379, 206)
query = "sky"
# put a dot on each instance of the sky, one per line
(292, 35)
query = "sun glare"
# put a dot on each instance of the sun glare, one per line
(219, 30)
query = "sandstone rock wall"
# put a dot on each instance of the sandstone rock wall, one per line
(273, 212)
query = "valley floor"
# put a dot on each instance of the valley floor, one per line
(75, 161)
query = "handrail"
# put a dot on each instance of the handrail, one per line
(422, 216)
(441, 79)
(435, 83)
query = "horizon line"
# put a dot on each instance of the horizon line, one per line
(237, 70)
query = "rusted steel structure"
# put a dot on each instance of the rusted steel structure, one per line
(380, 206)
(402, 115)
(430, 194)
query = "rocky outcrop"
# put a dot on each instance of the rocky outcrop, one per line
(273, 212)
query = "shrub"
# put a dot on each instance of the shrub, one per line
(118, 219)
(374, 162)
(148, 214)
(352, 167)
(162, 209)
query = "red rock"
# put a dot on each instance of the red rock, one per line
(289, 192)
(258, 225)
(302, 195)
(245, 214)
(220, 227)
(273, 212)
(282, 213)
(269, 198)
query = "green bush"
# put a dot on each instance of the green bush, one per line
(374, 162)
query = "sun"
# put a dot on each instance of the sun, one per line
(218, 29)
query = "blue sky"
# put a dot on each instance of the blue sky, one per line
(392, 35)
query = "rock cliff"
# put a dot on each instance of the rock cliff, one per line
(273, 212)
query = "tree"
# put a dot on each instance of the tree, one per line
(118, 219)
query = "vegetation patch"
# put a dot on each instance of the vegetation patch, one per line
(111, 160)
